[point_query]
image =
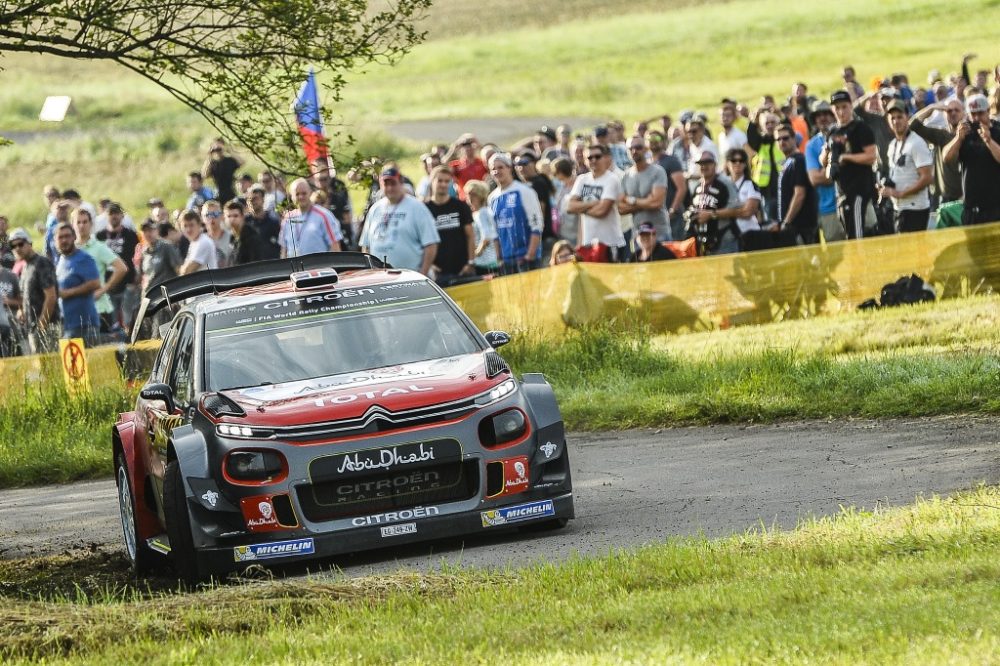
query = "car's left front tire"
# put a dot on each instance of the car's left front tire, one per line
(175, 510)
(140, 556)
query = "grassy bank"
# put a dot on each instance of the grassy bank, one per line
(931, 359)
(900, 586)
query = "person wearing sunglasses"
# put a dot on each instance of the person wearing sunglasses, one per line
(594, 197)
(798, 210)
(39, 313)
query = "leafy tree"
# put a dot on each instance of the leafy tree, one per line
(238, 63)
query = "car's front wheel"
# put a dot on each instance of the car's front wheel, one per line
(138, 553)
(178, 517)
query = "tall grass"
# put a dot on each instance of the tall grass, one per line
(49, 436)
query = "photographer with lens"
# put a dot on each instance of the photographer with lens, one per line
(976, 147)
(848, 157)
(710, 217)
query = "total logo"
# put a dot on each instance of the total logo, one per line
(267, 551)
(372, 395)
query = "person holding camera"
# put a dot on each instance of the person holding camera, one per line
(711, 205)
(976, 147)
(848, 157)
(910, 173)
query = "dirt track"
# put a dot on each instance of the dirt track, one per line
(632, 488)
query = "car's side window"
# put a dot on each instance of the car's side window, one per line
(159, 371)
(181, 378)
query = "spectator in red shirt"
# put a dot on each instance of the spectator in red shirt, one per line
(468, 166)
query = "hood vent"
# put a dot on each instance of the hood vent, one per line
(495, 365)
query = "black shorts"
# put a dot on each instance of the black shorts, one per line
(911, 220)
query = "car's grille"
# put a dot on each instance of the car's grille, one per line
(495, 364)
(388, 491)
(378, 419)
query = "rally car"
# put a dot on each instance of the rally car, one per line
(302, 408)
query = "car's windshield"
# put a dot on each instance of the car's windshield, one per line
(330, 332)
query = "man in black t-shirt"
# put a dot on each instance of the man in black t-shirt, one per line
(265, 223)
(711, 196)
(122, 241)
(39, 312)
(849, 154)
(976, 147)
(453, 219)
(798, 207)
(221, 168)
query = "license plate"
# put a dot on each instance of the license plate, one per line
(397, 530)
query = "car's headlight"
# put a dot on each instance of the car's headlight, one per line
(501, 390)
(243, 432)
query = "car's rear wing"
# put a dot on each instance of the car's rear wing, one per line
(175, 289)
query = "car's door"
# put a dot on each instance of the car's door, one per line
(179, 376)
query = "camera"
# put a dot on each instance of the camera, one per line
(706, 233)
(836, 150)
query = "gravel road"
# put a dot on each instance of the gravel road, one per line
(632, 487)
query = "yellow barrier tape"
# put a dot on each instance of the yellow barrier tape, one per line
(676, 296)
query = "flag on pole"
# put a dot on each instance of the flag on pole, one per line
(310, 121)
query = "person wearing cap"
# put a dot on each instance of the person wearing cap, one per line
(713, 206)
(101, 221)
(821, 117)
(39, 312)
(110, 267)
(517, 214)
(308, 228)
(595, 197)
(976, 148)
(870, 108)
(848, 156)
(544, 143)
(644, 191)
(464, 161)
(265, 223)
(160, 259)
(765, 159)
(910, 173)
(123, 242)
(527, 171)
(78, 280)
(649, 248)
(399, 227)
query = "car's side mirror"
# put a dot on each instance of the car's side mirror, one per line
(160, 392)
(497, 339)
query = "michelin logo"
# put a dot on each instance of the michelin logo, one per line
(265, 551)
(518, 513)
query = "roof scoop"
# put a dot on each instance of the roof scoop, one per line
(320, 277)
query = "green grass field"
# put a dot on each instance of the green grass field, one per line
(913, 361)
(914, 585)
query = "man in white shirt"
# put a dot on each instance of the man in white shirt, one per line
(731, 136)
(594, 198)
(201, 250)
(910, 172)
(399, 227)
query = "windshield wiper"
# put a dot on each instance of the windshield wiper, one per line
(237, 388)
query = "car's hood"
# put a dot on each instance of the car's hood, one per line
(350, 395)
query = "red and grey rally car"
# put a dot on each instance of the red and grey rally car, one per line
(325, 404)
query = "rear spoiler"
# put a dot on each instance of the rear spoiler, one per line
(162, 294)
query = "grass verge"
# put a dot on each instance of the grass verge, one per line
(938, 358)
(908, 585)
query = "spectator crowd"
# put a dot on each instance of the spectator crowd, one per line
(847, 165)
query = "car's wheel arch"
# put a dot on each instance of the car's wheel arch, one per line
(147, 523)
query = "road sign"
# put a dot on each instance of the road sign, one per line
(74, 365)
